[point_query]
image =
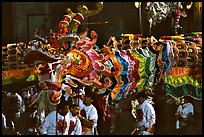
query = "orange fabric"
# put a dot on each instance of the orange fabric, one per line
(180, 71)
(86, 129)
(18, 73)
(151, 129)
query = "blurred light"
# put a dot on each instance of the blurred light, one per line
(188, 6)
(137, 4)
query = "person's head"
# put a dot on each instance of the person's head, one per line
(185, 99)
(89, 98)
(141, 97)
(62, 108)
(74, 109)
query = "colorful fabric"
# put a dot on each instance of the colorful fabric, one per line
(135, 73)
(129, 72)
(123, 75)
(141, 69)
(185, 89)
(178, 81)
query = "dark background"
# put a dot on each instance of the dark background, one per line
(19, 19)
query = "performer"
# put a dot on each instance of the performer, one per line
(145, 116)
(75, 127)
(185, 116)
(56, 122)
(89, 116)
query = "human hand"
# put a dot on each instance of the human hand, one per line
(79, 116)
(135, 130)
(142, 128)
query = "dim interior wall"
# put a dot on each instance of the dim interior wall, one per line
(23, 9)
(123, 17)
(7, 23)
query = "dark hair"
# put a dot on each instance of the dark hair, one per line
(141, 94)
(91, 95)
(73, 105)
(62, 105)
(188, 98)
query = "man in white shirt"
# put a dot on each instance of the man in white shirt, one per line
(186, 108)
(145, 116)
(88, 116)
(75, 127)
(185, 115)
(56, 122)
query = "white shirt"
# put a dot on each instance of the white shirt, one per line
(186, 109)
(179, 109)
(91, 114)
(81, 104)
(78, 128)
(148, 116)
(49, 125)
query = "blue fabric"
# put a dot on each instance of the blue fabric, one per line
(165, 58)
(123, 75)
